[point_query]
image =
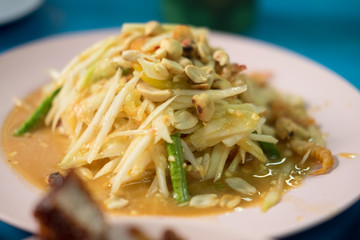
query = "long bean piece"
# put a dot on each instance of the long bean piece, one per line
(177, 171)
(269, 149)
(39, 114)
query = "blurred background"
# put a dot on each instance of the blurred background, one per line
(327, 31)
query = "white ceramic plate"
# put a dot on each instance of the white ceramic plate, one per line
(11, 10)
(24, 69)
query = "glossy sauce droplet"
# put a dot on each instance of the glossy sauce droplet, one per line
(348, 155)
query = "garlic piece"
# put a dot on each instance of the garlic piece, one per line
(183, 61)
(154, 42)
(200, 75)
(221, 83)
(196, 74)
(198, 63)
(240, 185)
(154, 70)
(132, 55)
(122, 62)
(229, 201)
(180, 77)
(204, 201)
(159, 53)
(204, 52)
(172, 67)
(153, 28)
(151, 93)
(172, 47)
(184, 120)
(210, 74)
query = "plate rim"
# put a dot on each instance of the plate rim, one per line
(283, 50)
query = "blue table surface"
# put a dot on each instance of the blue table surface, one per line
(324, 30)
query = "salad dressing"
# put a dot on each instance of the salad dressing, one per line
(36, 155)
